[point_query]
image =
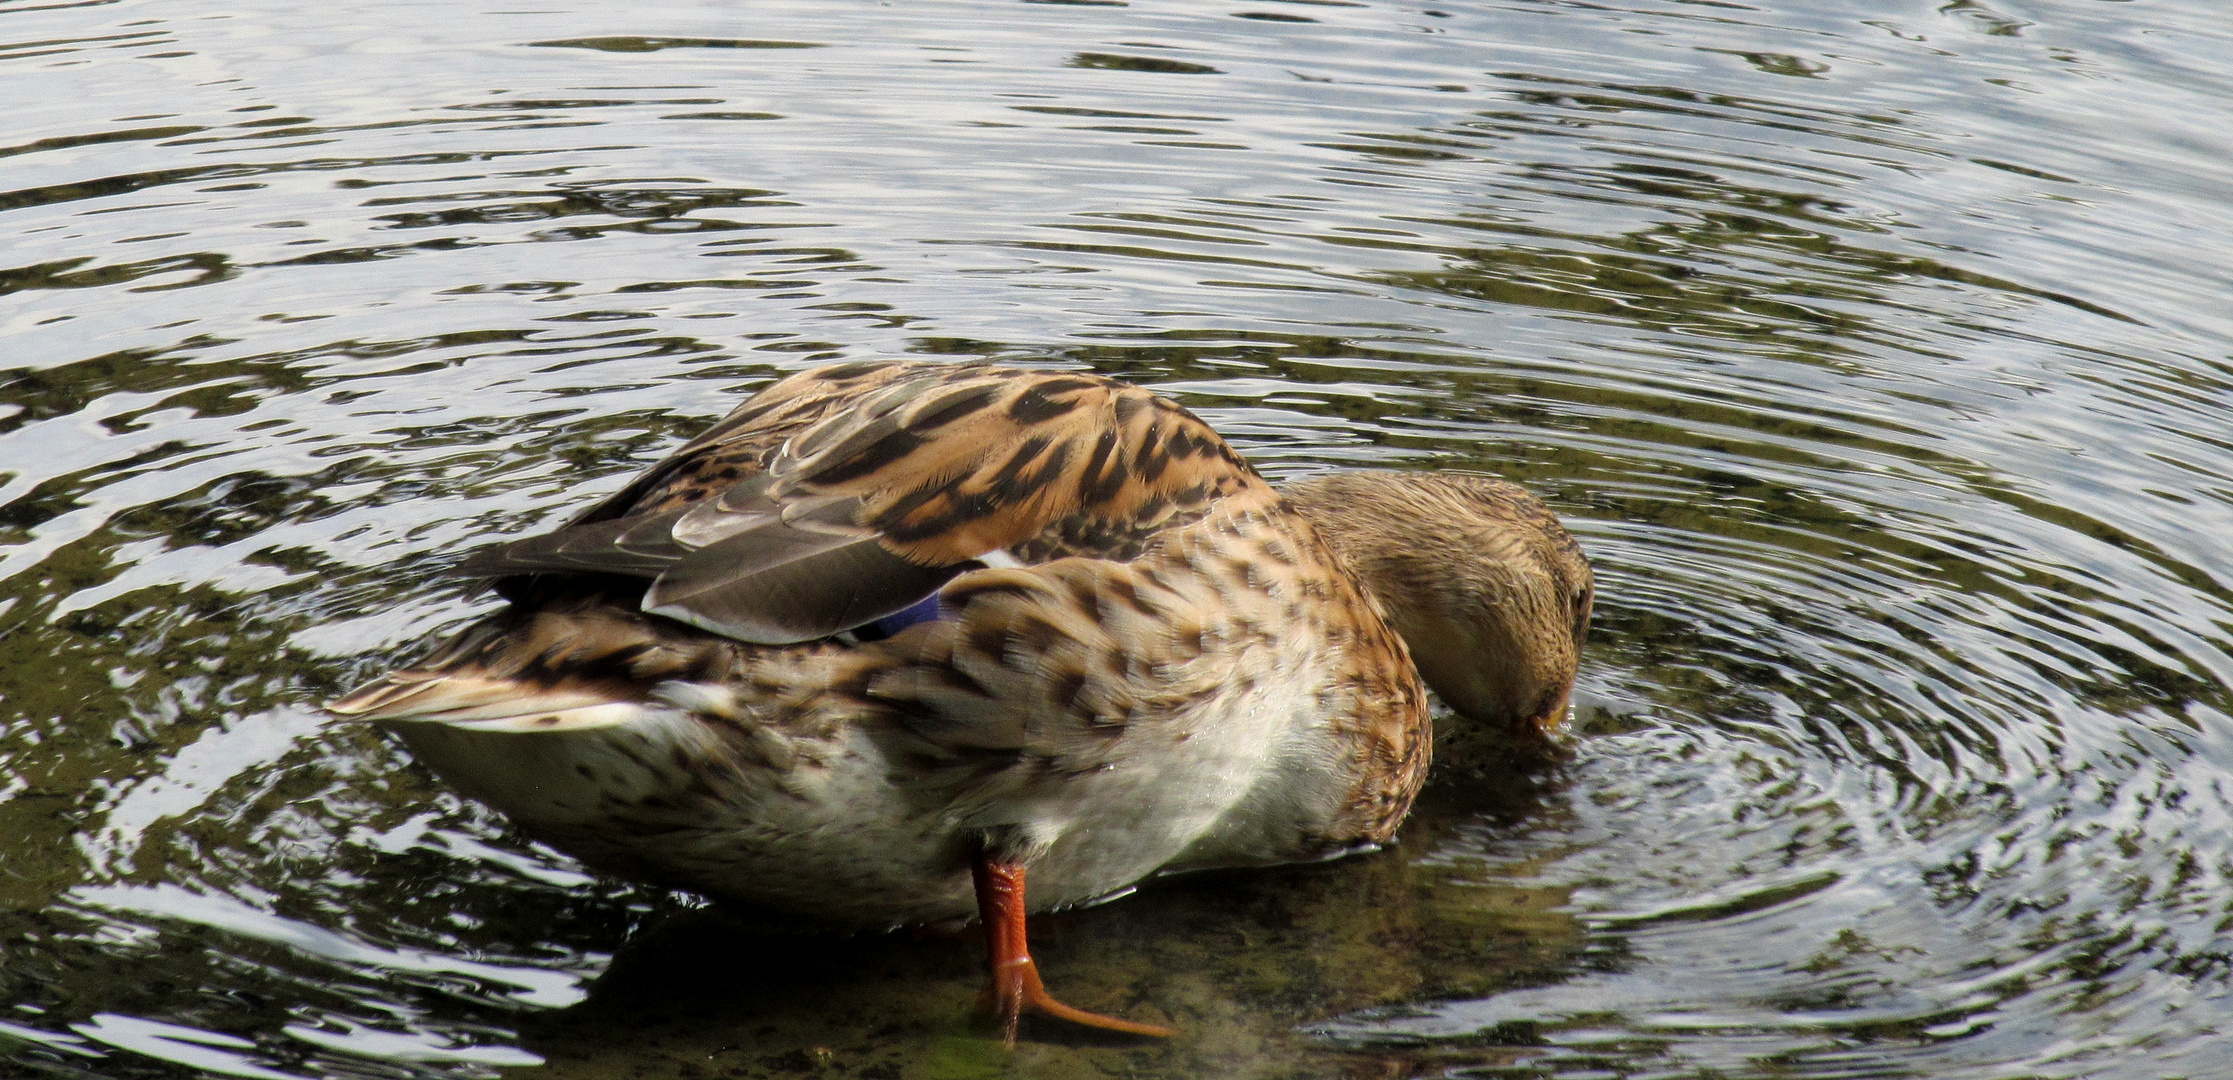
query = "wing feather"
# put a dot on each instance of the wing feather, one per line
(797, 595)
(841, 495)
(633, 546)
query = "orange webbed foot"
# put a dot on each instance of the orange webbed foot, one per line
(1016, 988)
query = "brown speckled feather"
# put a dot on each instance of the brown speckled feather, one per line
(841, 495)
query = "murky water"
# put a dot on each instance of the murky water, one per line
(1881, 355)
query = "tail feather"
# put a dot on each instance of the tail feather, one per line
(487, 704)
(567, 666)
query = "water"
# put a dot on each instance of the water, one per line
(1879, 354)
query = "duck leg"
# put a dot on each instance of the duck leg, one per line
(1016, 988)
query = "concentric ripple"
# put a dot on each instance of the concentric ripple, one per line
(1879, 355)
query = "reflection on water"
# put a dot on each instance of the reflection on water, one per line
(1236, 959)
(1880, 359)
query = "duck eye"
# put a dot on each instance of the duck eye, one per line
(1581, 598)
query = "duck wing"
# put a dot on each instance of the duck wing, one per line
(846, 494)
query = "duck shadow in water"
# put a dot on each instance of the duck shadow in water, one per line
(1240, 962)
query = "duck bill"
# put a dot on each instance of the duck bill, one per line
(1547, 721)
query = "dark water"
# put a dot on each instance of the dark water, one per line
(1881, 355)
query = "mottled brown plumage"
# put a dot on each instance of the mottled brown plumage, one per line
(892, 633)
(838, 498)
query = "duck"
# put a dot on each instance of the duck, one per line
(895, 637)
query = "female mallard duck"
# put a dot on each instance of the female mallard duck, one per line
(892, 635)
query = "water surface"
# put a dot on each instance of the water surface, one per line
(1879, 354)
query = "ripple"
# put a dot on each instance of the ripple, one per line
(1880, 364)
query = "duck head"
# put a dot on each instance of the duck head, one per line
(1485, 586)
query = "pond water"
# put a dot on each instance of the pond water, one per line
(1881, 356)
